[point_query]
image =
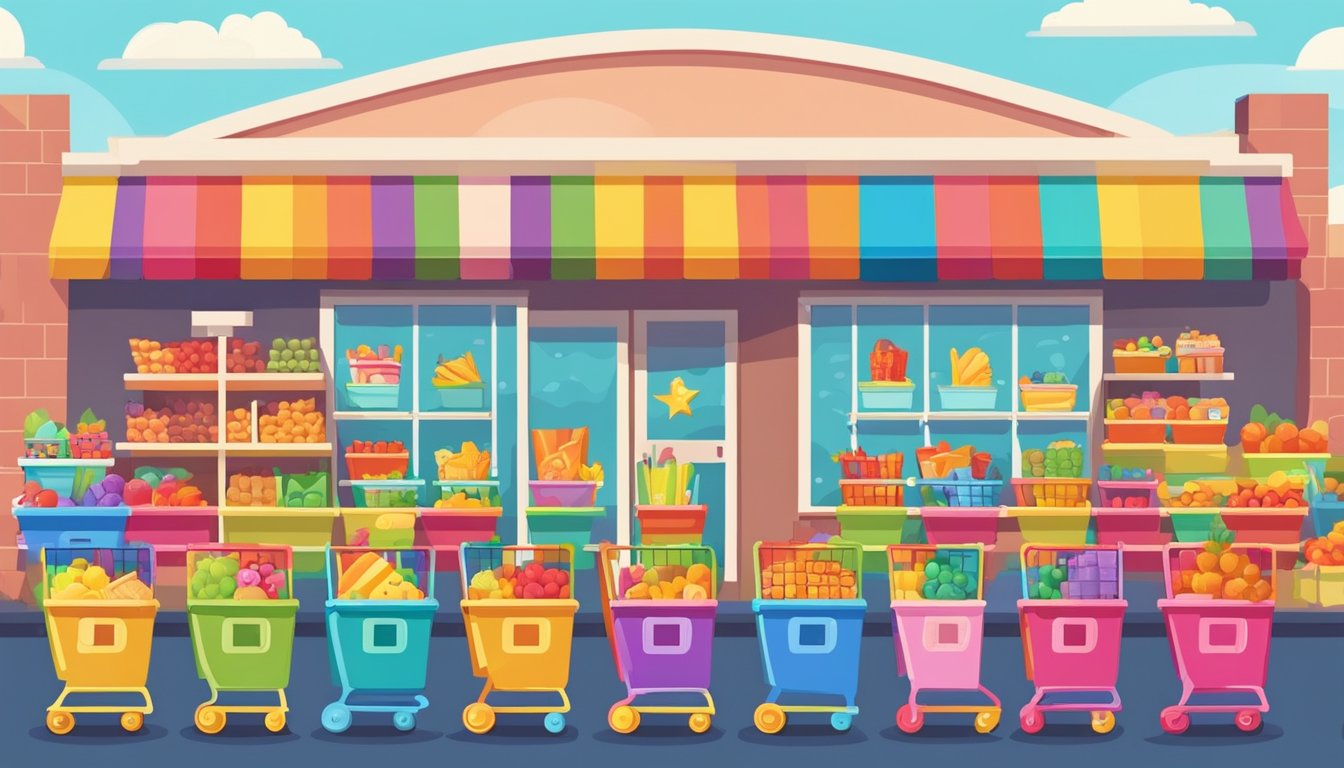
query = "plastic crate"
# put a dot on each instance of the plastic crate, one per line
(886, 395)
(1129, 525)
(1109, 491)
(463, 397)
(46, 448)
(379, 528)
(872, 493)
(886, 466)
(69, 478)
(1203, 432)
(72, 526)
(1053, 525)
(1206, 460)
(1266, 526)
(1136, 431)
(908, 571)
(1139, 362)
(959, 492)
(374, 397)
(961, 525)
(959, 398)
(1321, 585)
(361, 465)
(1262, 465)
(1327, 509)
(1051, 492)
(1048, 397)
(1191, 524)
(563, 493)
(1205, 360)
(386, 494)
(363, 370)
(470, 494)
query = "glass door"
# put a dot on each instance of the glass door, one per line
(685, 399)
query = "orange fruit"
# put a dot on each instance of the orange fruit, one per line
(1227, 563)
(1206, 562)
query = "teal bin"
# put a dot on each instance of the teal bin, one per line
(564, 525)
(1191, 525)
(373, 397)
(464, 397)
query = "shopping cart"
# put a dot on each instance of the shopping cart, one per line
(378, 643)
(938, 625)
(1072, 614)
(522, 643)
(100, 608)
(242, 627)
(663, 643)
(809, 615)
(1220, 646)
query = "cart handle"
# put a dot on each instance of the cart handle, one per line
(333, 564)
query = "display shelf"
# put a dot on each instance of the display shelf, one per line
(1053, 415)
(1172, 377)
(970, 416)
(68, 462)
(275, 382)
(371, 415)
(408, 415)
(315, 450)
(168, 449)
(273, 511)
(172, 382)
(856, 416)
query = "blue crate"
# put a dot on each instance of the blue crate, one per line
(956, 398)
(961, 492)
(72, 526)
(373, 397)
(465, 397)
(1327, 509)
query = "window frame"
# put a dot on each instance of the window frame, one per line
(1091, 298)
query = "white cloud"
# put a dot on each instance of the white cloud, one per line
(264, 41)
(1141, 18)
(1337, 205)
(1323, 51)
(11, 44)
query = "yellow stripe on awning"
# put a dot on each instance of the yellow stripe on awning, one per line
(709, 227)
(618, 218)
(1121, 228)
(268, 228)
(81, 239)
(1173, 228)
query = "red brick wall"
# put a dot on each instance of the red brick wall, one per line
(1299, 124)
(34, 131)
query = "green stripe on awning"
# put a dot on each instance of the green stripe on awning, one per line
(437, 249)
(1227, 231)
(573, 236)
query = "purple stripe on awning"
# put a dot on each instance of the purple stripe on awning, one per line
(128, 229)
(392, 204)
(530, 227)
(1265, 212)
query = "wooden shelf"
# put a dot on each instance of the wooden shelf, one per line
(275, 382)
(168, 449)
(277, 450)
(1172, 377)
(172, 382)
(970, 416)
(371, 415)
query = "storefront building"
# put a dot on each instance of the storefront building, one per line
(600, 218)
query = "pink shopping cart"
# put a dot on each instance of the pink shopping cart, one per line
(1219, 644)
(1072, 615)
(938, 622)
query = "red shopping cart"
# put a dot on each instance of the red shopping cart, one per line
(1072, 615)
(1219, 641)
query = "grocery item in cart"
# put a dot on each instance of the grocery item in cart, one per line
(941, 573)
(1220, 571)
(507, 581)
(665, 581)
(238, 576)
(371, 576)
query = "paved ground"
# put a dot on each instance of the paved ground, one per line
(1304, 723)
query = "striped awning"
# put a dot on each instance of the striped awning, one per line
(871, 228)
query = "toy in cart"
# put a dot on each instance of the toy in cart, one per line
(1072, 615)
(99, 606)
(380, 611)
(519, 617)
(1219, 613)
(241, 609)
(938, 623)
(809, 616)
(659, 606)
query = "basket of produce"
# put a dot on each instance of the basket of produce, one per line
(90, 440)
(386, 494)
(1047, 392)
(871, 493)
(857, 465)
(1139, 491)
(1271, 443)
(467, 494)
(252, 490)
(972, 387)
(370, 366)
(380, 460)
(380, 528)
(458, 383)
(887, 395)
(309, 489)
(1051, 492)
(1141, 355)
(1061, 458)
(469, 463)
(1199, 353)
(942, 459)
(959, 489)
(1195, 506)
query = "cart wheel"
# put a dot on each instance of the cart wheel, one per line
(275, 721)
(769, 718)
(1103, 722)
(210, 720)
(336, 718)
(1248, 720)
(132, 721)
(623, 719)
(478, 717)
(60, 723)
(700, 722)
(1174, 720)
(987, 721)
(841, 721)
(554, 722)
(403, 721)
(1032, 720)
(909, 718)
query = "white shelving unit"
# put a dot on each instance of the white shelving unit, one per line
(1158, 378)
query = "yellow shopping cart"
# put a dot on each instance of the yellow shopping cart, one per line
(100, 608)
(520, 642)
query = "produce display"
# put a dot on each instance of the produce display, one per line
(971, 369)
(1219, 573)
(1061, 458)
(1279, 491)
(1192, 494)
(467, 497)
(1267, 432)
(887, 362)
(665, 582)
(34, 495)
(1193, 341)
(370, 366)
(191, 356)
(1084, 575)
(858, 465)
(238, 426)
(1109, 472)
(1152, 406)
(306, 490)
(509, 582)
(297, 421)
(244, 357)
(1330, 490)
(90, 440)
(251, 490)
(1142, 346)
(390, 498)
(376, 460)
(294, 356)
(938, 579)
(561, 454)
(941, 460)
(392, 521)
(81, 581)
(803, 578)
(469, 463)
(1327, 549)
(371, 577)
(44, 438)
(178, 422)
(1199, 352)
(460, 371)
(225, 578)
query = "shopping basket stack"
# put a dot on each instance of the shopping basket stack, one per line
(1219, 640)
(659, 606)
(100, 609)
(1072, 615)
(809, 615)
(520, 643)
(380, 613)
(241, 608)
(938, 625)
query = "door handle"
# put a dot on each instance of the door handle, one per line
(718, 451)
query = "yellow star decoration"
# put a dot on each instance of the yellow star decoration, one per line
(678, 398)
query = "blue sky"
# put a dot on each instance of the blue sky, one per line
(1184, 84)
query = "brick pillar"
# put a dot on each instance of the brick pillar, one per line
(1299, 125)
(34, 131)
